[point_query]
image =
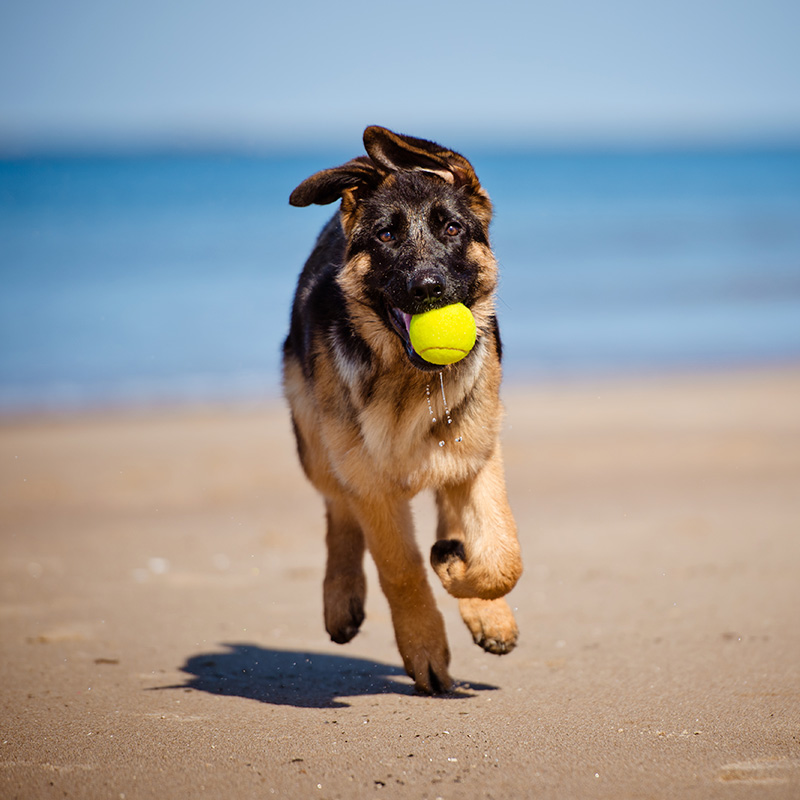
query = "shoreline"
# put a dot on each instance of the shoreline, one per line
(272, 397)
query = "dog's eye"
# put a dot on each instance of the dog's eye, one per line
(386, 235)
(452, 229)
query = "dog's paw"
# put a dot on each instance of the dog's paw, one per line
(491, 623)
(344, 608)
(422, 642)
(488, 577)
(429, 670)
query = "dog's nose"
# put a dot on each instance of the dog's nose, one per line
(426, 285)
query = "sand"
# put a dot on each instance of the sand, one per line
(162, 631)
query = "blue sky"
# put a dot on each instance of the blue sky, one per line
(241, 72)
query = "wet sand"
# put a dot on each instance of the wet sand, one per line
(162, 629)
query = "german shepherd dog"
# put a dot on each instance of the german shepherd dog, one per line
(375, 423)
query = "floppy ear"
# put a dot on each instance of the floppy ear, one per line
(330, 184)
(394, 152)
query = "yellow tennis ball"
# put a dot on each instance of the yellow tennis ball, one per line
(443, 335)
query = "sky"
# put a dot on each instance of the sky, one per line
(250, 73)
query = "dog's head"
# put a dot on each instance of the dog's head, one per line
(416, 220)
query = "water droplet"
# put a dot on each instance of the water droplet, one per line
(444, 403)
(428, 398)
(444, 399)
(459, 438)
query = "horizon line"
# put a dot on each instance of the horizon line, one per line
(77, 146)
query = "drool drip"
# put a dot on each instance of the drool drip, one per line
(446, 408)
(444, 400)
(428, 398)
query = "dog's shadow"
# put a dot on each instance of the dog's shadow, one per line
(298, 678)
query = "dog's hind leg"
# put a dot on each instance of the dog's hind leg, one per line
(418, 624)
(345, 586)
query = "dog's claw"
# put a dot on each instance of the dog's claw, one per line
(496, 646)
(438, 686)
(432, 682)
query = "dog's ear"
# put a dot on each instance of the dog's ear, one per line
(394, 152)
(329, 185)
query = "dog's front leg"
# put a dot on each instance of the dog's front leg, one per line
(477, 553)
(477, 556)
(418, 624)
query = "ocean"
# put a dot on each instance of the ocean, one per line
(150, 279)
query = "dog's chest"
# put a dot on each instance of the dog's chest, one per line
(415, 442)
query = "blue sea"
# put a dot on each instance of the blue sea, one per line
(140, 280)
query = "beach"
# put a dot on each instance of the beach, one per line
(161, 608)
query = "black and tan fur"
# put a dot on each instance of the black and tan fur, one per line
(411, 234)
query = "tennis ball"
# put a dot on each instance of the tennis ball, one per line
(443, 335)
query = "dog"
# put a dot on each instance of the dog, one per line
(375, 423)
